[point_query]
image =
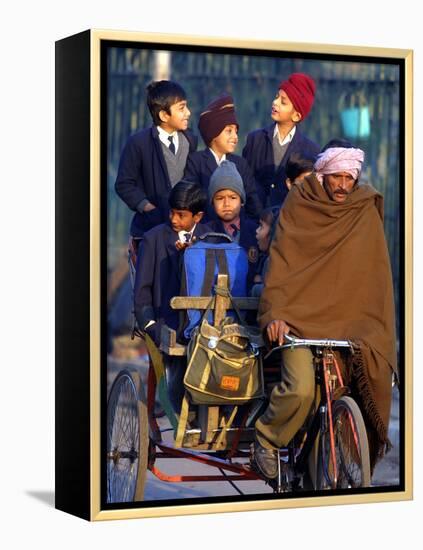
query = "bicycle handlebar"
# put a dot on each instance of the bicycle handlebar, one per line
(293, 342)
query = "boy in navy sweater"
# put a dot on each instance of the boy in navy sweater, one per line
(153, 160)
(158, 272)
(218, 127)
(227, 195)
(268, 149)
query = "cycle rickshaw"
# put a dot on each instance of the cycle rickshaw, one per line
(330, 452)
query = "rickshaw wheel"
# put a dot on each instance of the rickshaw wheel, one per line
(127, 439)
(351, 449)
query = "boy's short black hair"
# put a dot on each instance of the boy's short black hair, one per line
(161, 95)
(297, 164)
(270, 215)
(188, 195)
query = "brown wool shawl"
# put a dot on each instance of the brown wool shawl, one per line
(329, 276)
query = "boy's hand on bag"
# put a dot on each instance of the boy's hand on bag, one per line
(181, 246)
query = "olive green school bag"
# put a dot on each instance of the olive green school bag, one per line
(224, 364)
(224, 368)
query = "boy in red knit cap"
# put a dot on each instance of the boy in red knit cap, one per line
(268, 149)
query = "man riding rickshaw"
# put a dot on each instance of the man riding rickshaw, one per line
(329, 274)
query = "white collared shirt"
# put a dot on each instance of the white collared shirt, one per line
(218, 160)
(181, 234)
(287, 138)
(164, 137)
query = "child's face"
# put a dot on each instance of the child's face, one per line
(227, 205)
(297, 180)
(183, 220)
(178, 118)
(226, 141)
(262, 235)
(283, 110)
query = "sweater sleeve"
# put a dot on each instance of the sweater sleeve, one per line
(191, 172)
(129, 183)
(253, 205)
(247, 151)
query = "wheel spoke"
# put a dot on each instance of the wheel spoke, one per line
(351, 448)
(348, 451)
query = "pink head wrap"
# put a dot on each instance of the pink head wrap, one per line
(339, 159)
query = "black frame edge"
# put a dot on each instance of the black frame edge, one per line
(72, 212)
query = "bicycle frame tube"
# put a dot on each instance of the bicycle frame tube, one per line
(326, 374)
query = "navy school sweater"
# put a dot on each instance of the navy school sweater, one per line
(143, 174)
(258, 152)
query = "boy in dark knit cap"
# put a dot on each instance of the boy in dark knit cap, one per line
(153, 160)
(268, 149)
(218, 127)
(227, 196)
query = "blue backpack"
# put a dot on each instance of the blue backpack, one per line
(201, 263)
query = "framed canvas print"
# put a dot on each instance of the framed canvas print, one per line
(233, 275)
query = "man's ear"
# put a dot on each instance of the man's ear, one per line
(197, 217)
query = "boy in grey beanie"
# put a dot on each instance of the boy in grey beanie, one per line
(227, 196)
(226, 176)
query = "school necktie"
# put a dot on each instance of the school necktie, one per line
(172, 145)
(234, 230)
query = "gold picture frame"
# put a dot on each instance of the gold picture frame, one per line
(82, 164)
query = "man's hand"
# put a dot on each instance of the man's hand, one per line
(276, 330)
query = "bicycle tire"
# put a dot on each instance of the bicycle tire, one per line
(127, 439)
(351, 449)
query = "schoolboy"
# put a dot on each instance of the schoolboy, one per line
(298, 166)
(153, 160)
(267, 149)
(227, 196)
(218, 127)
(158, 276)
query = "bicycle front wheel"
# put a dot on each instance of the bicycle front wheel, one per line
(351, 449)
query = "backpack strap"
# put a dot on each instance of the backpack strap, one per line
(222, 264)
(226, 292)
(208, 280)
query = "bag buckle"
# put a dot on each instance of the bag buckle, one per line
(255, 349)
(212, 343)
